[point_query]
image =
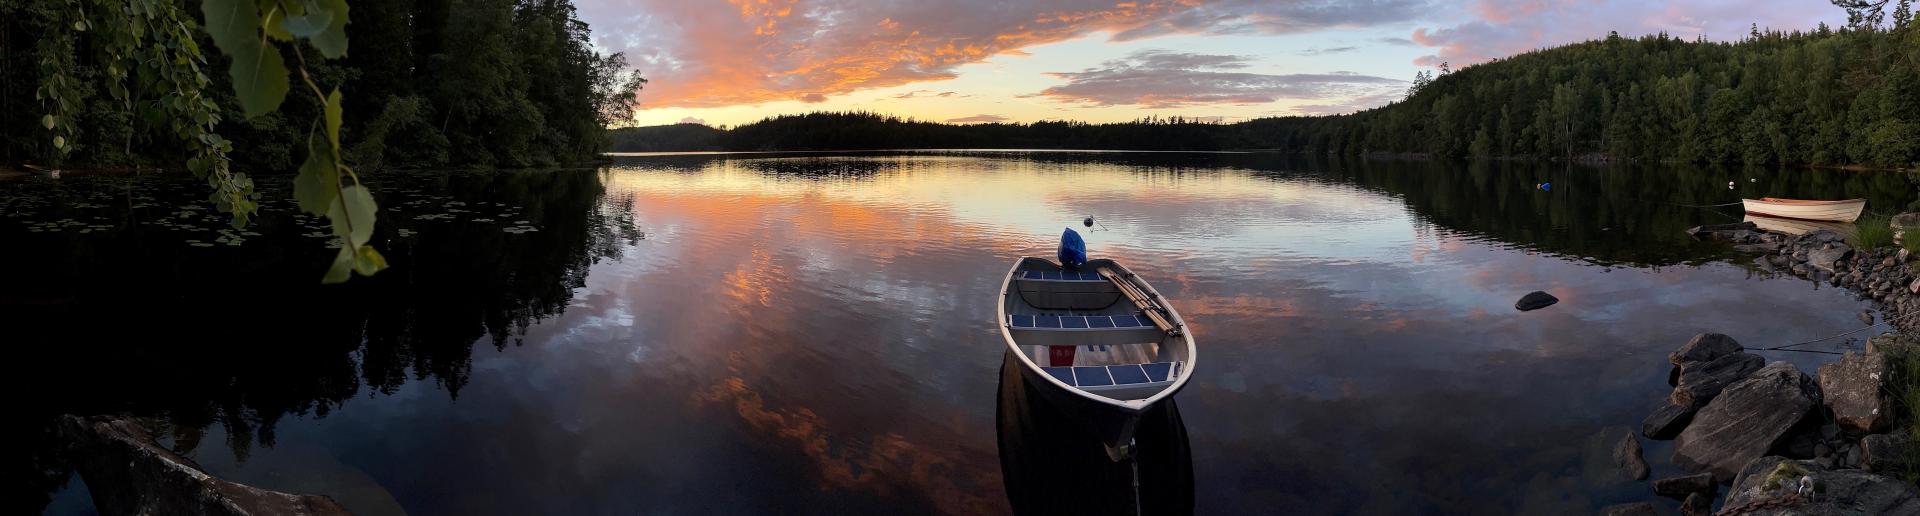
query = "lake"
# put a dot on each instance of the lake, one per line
(813, 333)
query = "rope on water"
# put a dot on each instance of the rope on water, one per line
(1787, 347)
(1706, 205)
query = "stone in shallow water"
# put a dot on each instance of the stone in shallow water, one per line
(1705, 346)
(1667, 422)
(1629, 509)
(1536, 301)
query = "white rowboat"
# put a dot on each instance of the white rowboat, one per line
(1836, 211)
(1098, 342)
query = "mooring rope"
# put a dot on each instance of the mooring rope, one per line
(1787, 347)
(1705, 205)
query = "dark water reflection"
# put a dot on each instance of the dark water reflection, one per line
(809, 333)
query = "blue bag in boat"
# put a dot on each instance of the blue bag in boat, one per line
(1073, 250)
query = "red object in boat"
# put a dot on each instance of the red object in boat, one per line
(1060, 356)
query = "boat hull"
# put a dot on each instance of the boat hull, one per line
(1831, 211)
(1110, 415)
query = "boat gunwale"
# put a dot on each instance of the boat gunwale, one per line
(1132, 406)
(1803, 202)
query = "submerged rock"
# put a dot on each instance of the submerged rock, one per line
(129, 473)
(1721, 231)
(1697, 504)
(1855, 390)
(1667, 422)
(1627, 455)
(1629, 509)
(1758, 490)
(1679, 487)
(1746, 420)
(1535, 301)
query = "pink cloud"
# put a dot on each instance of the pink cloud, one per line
(977, 119)
(709, 54)
(1162, 79)
(1506, 27)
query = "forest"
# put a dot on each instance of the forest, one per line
(428, 83)
(1846, 96)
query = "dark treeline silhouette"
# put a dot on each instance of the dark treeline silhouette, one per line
(863, 130)
(427, 83)
(1826, 97)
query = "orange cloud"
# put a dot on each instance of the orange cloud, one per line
(701, 54)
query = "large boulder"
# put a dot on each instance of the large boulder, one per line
(1886, 453)
(1892, 344)
(1757, 490)
(1903, 222)
(1746, 420)
(129, 473)
(1854, 388)
(1667, 422)
(1704, 347)
(1702, 380)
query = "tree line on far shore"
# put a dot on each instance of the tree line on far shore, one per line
(1848, 96)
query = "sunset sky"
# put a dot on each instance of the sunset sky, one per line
(735, 61)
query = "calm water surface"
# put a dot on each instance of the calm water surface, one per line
(811, 334)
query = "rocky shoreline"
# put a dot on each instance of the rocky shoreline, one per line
(1784, 441)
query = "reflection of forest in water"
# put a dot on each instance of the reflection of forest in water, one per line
(140, 321)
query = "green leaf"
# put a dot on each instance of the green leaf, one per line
(259, 74)
(352, 215)
(309, 24)
(47, 122)
(259, 78)
(342, 268)
(314, 188)
(368, 261)
(333, 118)
(233, 24)
(332, 42)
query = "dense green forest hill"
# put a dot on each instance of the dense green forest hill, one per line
(1826, 97)
(427, 83)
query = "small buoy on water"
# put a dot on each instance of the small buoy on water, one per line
(1088, 222)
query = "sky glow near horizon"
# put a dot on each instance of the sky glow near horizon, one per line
(735, 61)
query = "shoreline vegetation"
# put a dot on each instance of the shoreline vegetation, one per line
(1846, 97)
(428, 84)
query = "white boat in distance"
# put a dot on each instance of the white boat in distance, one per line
(1836, 211)
(1098, 342)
